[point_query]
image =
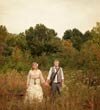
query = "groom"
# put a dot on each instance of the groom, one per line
(55, 78)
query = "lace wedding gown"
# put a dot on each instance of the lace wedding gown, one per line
(34, 90)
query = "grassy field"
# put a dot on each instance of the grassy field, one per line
(79, 93)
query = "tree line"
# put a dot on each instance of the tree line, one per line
(42, 44)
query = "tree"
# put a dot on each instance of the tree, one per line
(96, 34)
(39, 39)
(40, 33)
(53, 46)
(75, 36)
(3, 35)
(21, 42)
(87, 36)
(77, 39)
(90, 52)
(68, 34)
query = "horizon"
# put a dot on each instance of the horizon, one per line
(60, 15)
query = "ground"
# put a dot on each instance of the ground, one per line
(76, 95)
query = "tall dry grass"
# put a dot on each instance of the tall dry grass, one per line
(75, 96)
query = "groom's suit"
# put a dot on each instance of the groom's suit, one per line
(56, 85)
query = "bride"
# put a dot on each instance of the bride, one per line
(34, 81)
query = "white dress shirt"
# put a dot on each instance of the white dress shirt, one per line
(50, 73)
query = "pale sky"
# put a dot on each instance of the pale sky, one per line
(18, 15)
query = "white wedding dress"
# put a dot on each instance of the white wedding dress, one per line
(34, 90)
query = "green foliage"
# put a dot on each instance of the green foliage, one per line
(3, 36)
(3, 33)
(67, 34)
(96, 34)
(41, 44)
(40, 40)
(87, 36)
(75, 36)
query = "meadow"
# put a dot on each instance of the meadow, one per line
(78, 53)
(80, 93)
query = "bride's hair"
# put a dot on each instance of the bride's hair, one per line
(34, 63)
(56, 60)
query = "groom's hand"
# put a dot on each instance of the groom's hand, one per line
(46, 83)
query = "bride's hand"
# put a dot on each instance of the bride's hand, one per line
(46, 84)
(27, 86)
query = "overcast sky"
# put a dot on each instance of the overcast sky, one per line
(60, 15)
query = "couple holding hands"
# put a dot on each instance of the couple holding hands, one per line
(55, 79)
